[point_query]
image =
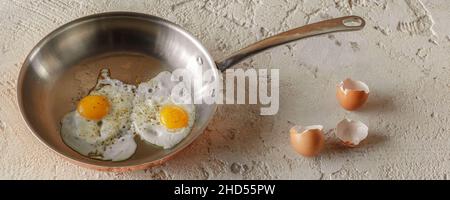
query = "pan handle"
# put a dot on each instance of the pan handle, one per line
(349, 23)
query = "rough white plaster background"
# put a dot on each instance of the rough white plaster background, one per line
(403, 55)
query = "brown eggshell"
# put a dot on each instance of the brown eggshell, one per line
(352, 98)
(308, 143)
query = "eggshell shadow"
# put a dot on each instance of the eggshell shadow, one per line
(334, 146)
(378, 104)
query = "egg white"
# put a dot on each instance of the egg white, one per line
(110, 138)
(150, 97)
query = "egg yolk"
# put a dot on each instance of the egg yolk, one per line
(172, 117)
(93, 107)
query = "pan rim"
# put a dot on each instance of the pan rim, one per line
(62, 28)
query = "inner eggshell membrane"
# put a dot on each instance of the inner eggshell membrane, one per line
(351, 132)
(351, 85)
(302, 129)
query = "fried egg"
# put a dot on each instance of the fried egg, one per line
(163, 112)
(100, 127)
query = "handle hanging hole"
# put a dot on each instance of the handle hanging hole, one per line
(353, 22)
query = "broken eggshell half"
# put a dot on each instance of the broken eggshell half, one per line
(352, 94)
(351, 132)
(307, 141)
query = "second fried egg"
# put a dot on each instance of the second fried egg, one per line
(163, 112)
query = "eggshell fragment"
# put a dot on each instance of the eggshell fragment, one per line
(352, 94)
(351, 132)
(307, 141)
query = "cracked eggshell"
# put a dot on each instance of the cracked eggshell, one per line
(307, 141)
(351, 132)
(352, 94)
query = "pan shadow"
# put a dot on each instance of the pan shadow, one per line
(234, 124)
(234, 130)
(383, 103)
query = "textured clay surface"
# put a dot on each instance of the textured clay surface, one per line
(403, 55)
